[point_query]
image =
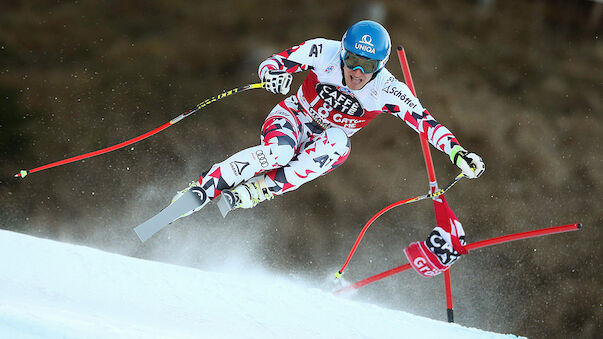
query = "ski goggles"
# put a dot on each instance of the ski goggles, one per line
(355, 61)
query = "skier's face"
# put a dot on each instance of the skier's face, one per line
(355, 79)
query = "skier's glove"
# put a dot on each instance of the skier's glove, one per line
(471, 164)
(277, 81)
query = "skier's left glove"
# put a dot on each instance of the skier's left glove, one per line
(470, 163)
(277, 81)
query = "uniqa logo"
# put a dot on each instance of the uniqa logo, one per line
(367, 39)
(366, 44)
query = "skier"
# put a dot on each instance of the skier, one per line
(308, 134)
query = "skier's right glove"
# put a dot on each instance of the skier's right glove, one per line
(470, 163)
(277, 81)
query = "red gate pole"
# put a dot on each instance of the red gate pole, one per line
(469, 247)
(430, 172)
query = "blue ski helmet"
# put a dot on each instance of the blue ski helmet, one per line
(368, 40)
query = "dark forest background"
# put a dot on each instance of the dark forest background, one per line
(518, 82)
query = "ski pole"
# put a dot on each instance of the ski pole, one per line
(399, 203)
(470, 247)
(202, 104)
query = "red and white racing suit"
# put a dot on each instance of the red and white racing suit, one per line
(307, 134)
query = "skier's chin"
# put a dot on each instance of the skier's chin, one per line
(356, 83)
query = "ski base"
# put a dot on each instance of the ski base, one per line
(192, 199)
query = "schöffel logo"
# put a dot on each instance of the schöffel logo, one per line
(366, 44)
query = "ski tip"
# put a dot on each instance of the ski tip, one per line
(400, 48)
(579, 226)
(140, 236)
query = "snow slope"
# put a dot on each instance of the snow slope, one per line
(57, 290)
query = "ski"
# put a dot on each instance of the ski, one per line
(226, 202)
(192, 199)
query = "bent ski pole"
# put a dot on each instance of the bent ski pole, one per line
(396, 204)
(469, 247)
(202, 104)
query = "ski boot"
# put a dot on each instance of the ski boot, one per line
(246, 195)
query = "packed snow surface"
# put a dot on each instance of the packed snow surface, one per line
(50, 289)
